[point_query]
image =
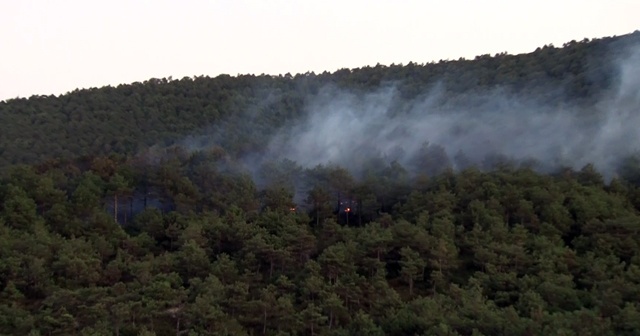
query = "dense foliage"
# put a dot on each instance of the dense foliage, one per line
(108, 228)
(129, 118)
(110, 247)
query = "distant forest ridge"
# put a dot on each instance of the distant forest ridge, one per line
(387, 200)
(244, 116)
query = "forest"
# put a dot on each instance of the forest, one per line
(329, 204)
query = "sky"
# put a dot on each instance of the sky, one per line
(53, 47)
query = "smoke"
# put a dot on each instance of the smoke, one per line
(437, 130)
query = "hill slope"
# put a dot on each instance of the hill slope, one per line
(388, 240)
(130, 118)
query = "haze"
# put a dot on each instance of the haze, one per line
(541, 127)
(55, 47)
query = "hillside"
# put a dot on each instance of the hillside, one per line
(495, 196)
(199, 251)
(130, 118)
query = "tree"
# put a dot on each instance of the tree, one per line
(19, 210)
(362, 324)
(412, 266)
(320, 202)
(118, 186)
(207, 313)
(313, 319)
(375, 241)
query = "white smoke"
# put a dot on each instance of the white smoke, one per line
(347, 127)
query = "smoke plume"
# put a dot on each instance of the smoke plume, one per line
(437, 130)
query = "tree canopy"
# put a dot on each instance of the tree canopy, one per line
(111, 226)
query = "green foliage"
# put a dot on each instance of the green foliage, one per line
(131, 118)
(471, 253)
(175, 242)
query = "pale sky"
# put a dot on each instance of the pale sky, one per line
(52, 47)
